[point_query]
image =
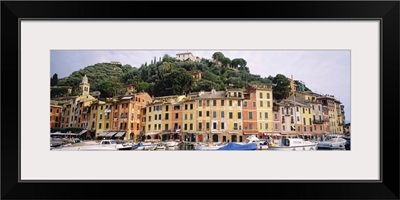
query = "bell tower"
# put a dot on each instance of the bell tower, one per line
(85, 86)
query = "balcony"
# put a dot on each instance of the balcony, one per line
(318, 121)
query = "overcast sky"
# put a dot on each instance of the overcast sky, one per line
(325, 72)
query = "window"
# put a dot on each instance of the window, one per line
(304, 121)
(51, 110)
(166, 127)
(155, 126)
(245, 103)
(149, 109)
(176, 115)
(101, 107)
(222, 114)
(133, 115)
(315, 127)
(298, 118)
(239, 103)
(167, 116)
(185, 116)
(268, 95)
(101, 116)
(185, 127)
(305, 129)
(275, 116)
(200, 102)
(250, 115)
(319, 107)
(283, 127)
(268, 103)
(235, 126)
(207, 113)
(283, 111)
(260, 115)
(254, 104)
(313, 107)
(291, 119)
(222, 102)
(261, 95)
(297, 109)
(261, 126)
(298, 128)
(320, 128)
(214, 114)
(56, 119)
(309, 111)
(266, 126)
(149, 118)
(166, 108)
(155, 117)
(291, 111)
(191, 106)
(99, 125)
(214, 102)
(200, 126)
(200, 113)
(149, 128)
(304, 110)
(261, 103)
(94, 116)
(250, 126)
(208, 125)
(309, 119)
(276, 126)
(186, 107)
(191, 116)
(230, 102)
(191, 126)
(159, 126)
(230, 115)
(265, 115)
(131, 125)
(208, 102)
(214, 125)
(239, 115)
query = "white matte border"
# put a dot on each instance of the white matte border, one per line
(39, 163)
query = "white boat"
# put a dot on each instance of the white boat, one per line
(160, 146)
(171, 144)
(294, 144)
(103, 145)
(145, 146)
(333, 142)
(209, 146)
(261, 145)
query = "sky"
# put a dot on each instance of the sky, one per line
(324, 72)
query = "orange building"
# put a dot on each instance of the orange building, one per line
(55, 116)
(250, 113)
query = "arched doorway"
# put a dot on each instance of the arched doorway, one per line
(157, 137)
(215, 138)
(132, 136)
(234, 138)
(240, 138)
(223, 138)
(148, 137)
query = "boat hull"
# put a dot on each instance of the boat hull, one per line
(294, 148)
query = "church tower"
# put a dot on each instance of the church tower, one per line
(85, 86)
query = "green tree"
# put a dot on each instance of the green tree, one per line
(54, 80)
(281, 87)
(226, 61)
(218, 56)
(58, 92)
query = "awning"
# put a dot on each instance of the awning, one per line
(102, 134)
(110, 134)
(128, 97)
(151, 133)
(82, 132)
(120, 134)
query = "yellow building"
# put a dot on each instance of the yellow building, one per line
(233, 107)
(154, 120)
(264, 109)
(97, 119)
(189, 119)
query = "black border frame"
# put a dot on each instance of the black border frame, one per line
(385, 11)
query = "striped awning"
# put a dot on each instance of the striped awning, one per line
(102, 134)
(82, 132)
(110, 134)
(120, 134)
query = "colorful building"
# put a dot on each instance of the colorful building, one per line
(55, 116)
(264, 109)
(250, 113)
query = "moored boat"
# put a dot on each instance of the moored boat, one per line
(294, 144)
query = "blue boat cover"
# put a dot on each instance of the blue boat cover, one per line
(236, 146)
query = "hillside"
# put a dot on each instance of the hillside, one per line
(167, 76)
